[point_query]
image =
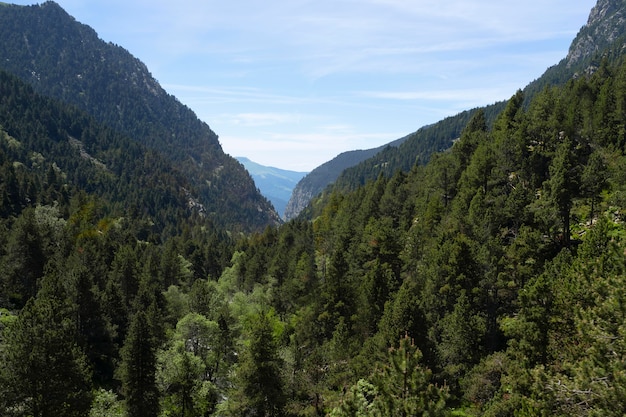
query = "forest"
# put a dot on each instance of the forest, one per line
(490, 281)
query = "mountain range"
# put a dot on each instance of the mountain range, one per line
(274, 183)
(317, 180)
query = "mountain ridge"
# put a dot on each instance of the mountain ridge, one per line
(318, 179)
(66, 60)
(603, 35)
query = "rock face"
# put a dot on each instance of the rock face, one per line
(605, 25)
(300, 198)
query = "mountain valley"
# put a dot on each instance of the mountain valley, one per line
(475, 267)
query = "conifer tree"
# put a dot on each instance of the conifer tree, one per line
(405, 386)
(563, 184)
(44, 372)
(593, 180)
(138, 369)
(261, 391)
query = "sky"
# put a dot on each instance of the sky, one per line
(293, 83)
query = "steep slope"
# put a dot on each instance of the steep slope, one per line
(318, 179)
(602, 37)
(274, 183)
(52, 153)
(605, 29)
(66, 60)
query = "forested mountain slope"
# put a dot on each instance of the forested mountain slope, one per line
(602, 37)
(64, 59)
(498, 268)
(55, 156)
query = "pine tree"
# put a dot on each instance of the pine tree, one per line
(261, 391)
(44, 372)
(405, 386)
(593, 180)
(563, 184)
(138, 369)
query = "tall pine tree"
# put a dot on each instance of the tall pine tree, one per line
(138, 369)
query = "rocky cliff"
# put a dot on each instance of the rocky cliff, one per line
(605, 26)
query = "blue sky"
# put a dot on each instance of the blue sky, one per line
(291, 84)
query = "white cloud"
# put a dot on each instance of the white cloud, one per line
(465, 95)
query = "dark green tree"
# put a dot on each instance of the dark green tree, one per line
(563, 185)
(23, 264)
(44, 371)
(406, 386)
(594, 180)
(138, 368)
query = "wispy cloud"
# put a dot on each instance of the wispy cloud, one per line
(465, 95)
(312, 78)
(312, 148)
(259, 119)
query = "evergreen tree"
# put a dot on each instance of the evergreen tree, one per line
(260, 386)
(563, 184)
(44, 372)
(594, 180)
(23, 264)
(406, 386)
(137, 370)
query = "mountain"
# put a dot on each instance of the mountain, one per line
(55, 152)
(602, 37)
(604, 33)
(274, 183)
(66, 60)
(318, 179)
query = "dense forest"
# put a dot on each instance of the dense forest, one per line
(489, 281)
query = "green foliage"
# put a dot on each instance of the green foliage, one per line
(44, 370)
(400, 387)
(179, 374)
(406, 387)
(106, 404)
(259, 390)
(499, 265)
(138, 368)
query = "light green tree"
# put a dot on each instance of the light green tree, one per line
(405, 386)
(399, 387)
(179, 377)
